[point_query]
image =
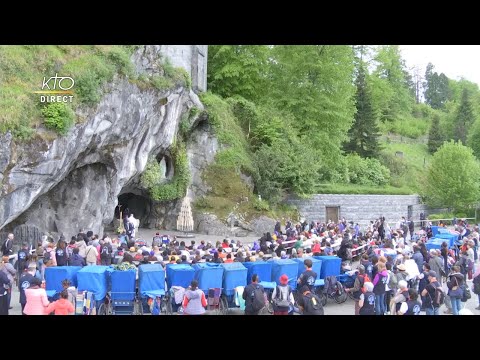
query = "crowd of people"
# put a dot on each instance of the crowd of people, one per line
(386, 282)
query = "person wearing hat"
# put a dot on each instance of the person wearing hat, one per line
(401, 273)
(429, 294)
(282, 297)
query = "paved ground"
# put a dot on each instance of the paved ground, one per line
(148, 234)
(347, 308)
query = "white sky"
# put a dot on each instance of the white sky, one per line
(455, 61)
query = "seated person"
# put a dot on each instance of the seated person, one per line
(126, 264)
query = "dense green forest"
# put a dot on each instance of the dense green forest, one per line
(340, 119)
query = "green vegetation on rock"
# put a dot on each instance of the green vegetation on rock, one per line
(235, 153)
(23, 68)
(58, 117)
(174, 188)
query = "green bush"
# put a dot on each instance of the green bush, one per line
(87, 88)
(279, 170)
(261, 205)
(409, 127)
(161, 83)
(366, 171)
(177, 187)
(120, 57)
(59, 117)
(398, 166)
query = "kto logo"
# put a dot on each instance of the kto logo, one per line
(56, 85)
(60, 79)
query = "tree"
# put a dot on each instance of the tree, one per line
(314, 84)
(437, 89)
(473, 138)
(392, 91)
(364, 132)
(435, 136)
(238, 70)
(286, 166)
(453, 177)
(464, 119)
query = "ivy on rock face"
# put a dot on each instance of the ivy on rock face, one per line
(174, 188)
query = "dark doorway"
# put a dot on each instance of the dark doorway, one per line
(331, 213)
(139, 206)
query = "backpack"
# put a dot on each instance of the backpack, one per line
(476, 285)
(279, 302)
(105, 253)
(46, 257)
(438, 297)
(393, 281)
(466, 293)
(258, 299)
(313, 305)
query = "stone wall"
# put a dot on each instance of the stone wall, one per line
(359, 208)
(192, 58)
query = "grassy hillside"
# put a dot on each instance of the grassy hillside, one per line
(23, 68)
(407, 170)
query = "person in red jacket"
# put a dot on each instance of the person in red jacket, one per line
(62, 306)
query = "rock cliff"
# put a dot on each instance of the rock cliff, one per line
(73, 181)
